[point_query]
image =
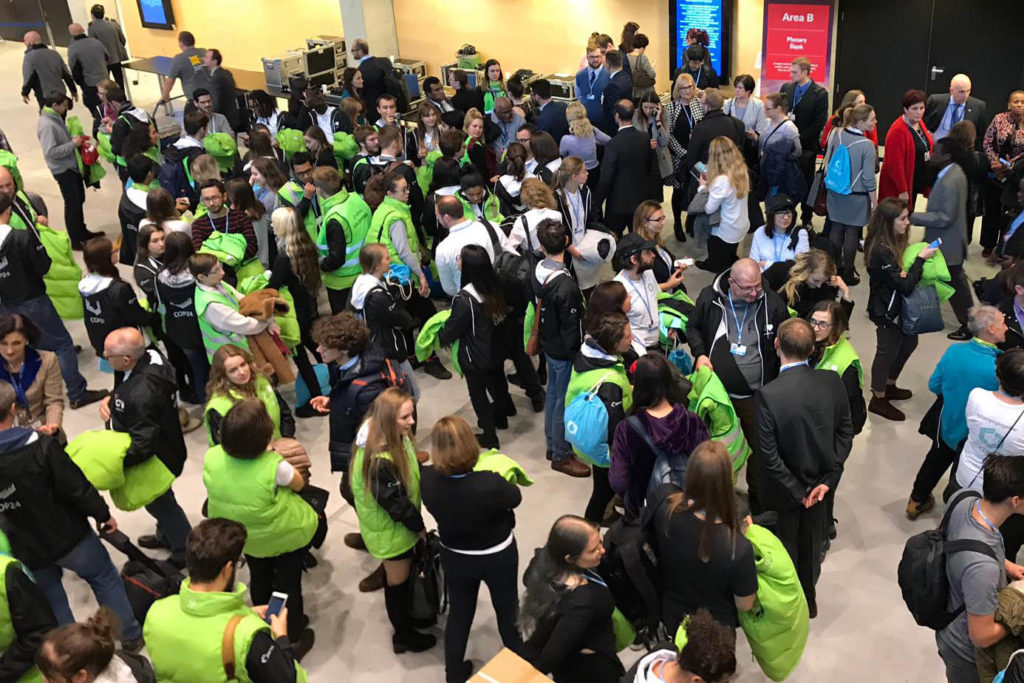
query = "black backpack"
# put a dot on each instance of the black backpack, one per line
(515, 271)
(145, 580)
(922, 570)
(630, 568)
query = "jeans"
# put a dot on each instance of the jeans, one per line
(891, 354)
(559, 372)
(200, 370)
(72, 189)
(172, 524)
(414, 388)
(283, 574)
(90, 560)
(54, 338)
(958, 669)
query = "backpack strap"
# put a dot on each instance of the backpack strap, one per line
(495, 242)
(227, 646)
(638, 427)
(961, 496)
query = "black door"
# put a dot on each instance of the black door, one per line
(882, 49)
(16, 18)
(980, 38)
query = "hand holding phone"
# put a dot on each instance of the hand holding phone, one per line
(683, 263)
(936, 244)
(276, 604)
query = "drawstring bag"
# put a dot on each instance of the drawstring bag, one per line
(586, 426)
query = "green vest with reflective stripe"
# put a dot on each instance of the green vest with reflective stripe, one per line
(276, 519)
(353, 213)
(7, 634)
(839, 357)
(390, 211)
(221, 404)
(710, 400)
(384, 537)
(292, 193)
(184, 633)
(213, 338)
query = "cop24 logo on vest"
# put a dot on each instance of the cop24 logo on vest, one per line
(8, 505)
(97, 312)
(4, 273)
(185, 309)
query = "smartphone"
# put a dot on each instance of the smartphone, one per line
(1004, 162)
(701, 167)
(936, 244)
(276, 604)
(680, 262)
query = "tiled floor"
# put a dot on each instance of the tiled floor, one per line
(864, 632)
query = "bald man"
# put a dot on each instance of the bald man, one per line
(143, 405)
(43, 71)
(87, 59)
(941, 113)
(732, 331)
(26, 209)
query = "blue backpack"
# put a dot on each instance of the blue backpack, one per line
(837, 175)
(586, 426)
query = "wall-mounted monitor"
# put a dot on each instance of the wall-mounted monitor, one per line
(713, 16)
(156, 14)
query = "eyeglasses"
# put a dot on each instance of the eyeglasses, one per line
(747, 288)
(656, 220)
(820, 324)
(686, 87)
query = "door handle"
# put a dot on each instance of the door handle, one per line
(936, 70)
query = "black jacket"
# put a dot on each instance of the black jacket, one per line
(45, 500)
(628, 163)
(886, 287)
(32, 618)
(974, 111)
(551, 119)
(464, 99)
(810, 115)
(1014, 334)
(223, 93)
(474, 511)
(386, 318)
(809, 297)
(283, 275)
(561, 311)
(110, 304)
(143, 406)
(129, 214)
(175, 178)
(352, 392)
(214, 419)
(478, 344)
(810, 408)
(705, 77)
(145, 278)
(620, 87)
(23, 262)
(122, 127)
(176, 304)
(714, 124)
(707, 333)
(563, 207)
(306, 118)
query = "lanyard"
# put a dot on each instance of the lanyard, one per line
(977, 507)
(696, 79)
(576, 207)
(775, 247)
(689, 115)
(593, 576)
(739, 323)
(643, 298)
(920, 136)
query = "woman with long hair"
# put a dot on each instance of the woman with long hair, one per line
(727, 183)
(582, 141)
(480, 154)
(175, 299)
(386, 488)
(320, 149)
(681, 115)
(648, 221)
(85, 652)
(659, 410)
(261, 145)
(649, 119)
(475, 514)
(352, 81)
(242, 198)
(147, 260)
(478, 311)
(889, 282)
(510, 182)
(851, 99)
(545, 152)
(264, 111)
(34, 374)
(566, 615)
(609, 296)
(266, 178)
(143, 140)
(813, 279)
(428, 130)
(833, 351)
(494, 84)
(598, 366)
(572, 195)
(353, 111)
(778, 242)
(164, 210)
(704, 558)
(640, 67)
(848, 213)
(908, 146)
(234, 378)
(297, 268)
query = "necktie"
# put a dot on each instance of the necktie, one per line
(958, 113)
(593, 77)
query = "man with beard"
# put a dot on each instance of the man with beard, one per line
(634, 258)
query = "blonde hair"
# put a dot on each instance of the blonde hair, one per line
(570, 167)
(471, 115)
(536, 194)
(204, 167)
(680, 80)
(804, 266)
(725, 159)
(579, 124)
(383, 436)
(298, 246)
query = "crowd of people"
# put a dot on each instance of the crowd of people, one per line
(486, 228)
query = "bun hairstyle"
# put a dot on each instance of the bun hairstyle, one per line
(74, 647)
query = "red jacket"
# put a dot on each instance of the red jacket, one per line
(898, 165)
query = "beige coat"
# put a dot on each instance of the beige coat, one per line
(45, 395)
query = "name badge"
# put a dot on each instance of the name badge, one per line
(737, 349)
(590, 97)
(927, 155)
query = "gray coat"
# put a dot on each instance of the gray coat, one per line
(662, 153)
(88, 55)
(58, 149)
(109, 33)
(854, 208)
(44, 72)
(945, 216)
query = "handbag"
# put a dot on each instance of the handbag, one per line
(429, 593)
(921, 313)
(817, 197)
(317, 497)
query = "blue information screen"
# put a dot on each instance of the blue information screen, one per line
(703, 14)
(155, 13)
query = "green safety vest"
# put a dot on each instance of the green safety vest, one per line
(291, 192)
(390, 211)
(276, 519)
(100, 455)
(384, 537)
(492, 209)
(495, 89)
(221, 404)
(582, 382)
(7, 634)
(213, 338)
(710, 400)
(839, 357)
(353, 213)
(184, 633)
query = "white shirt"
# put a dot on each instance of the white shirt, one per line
(517, 237)
(324, 122)
(449, 249)
(735, 222)
(989, 419)
(577, 214)
(643, 309)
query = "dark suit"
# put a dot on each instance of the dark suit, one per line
(620, 87)
(628, 159)
(222, 90)
(375, 71)
(551, 119)
(468, 98)
(973, 111)
(804, 435)
(716, 123)
(810, 114)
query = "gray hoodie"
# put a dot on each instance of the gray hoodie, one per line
(55, 141)
(648, 662)
(87, 56)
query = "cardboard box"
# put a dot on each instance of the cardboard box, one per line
(508, 667)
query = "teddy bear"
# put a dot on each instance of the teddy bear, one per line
(268, 352)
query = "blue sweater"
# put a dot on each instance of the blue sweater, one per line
(963, 367)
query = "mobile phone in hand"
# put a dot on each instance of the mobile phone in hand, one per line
(276, 604)
(936, 244)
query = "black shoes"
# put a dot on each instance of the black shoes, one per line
(152, 542)
(133, 646)
(487, 440)
(434, 368)
(303, 644)
(88, 396)
(960, 334)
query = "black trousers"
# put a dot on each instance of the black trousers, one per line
(72, 189)
(801, 531)
(618, 223)
(421, 309)
(938, 459)
(807, 158)
(962, 299)
(993, 222)
(117, 73)
(91, 100)
(845, 238)
(1013, 536)
(338, 299)
(283, 574)
(744, 408)
(511, 332)
(600, 496)
(891, 354)
(489, 411)
(721, 254)
(464, 574)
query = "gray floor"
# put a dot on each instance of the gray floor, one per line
(863, 631)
